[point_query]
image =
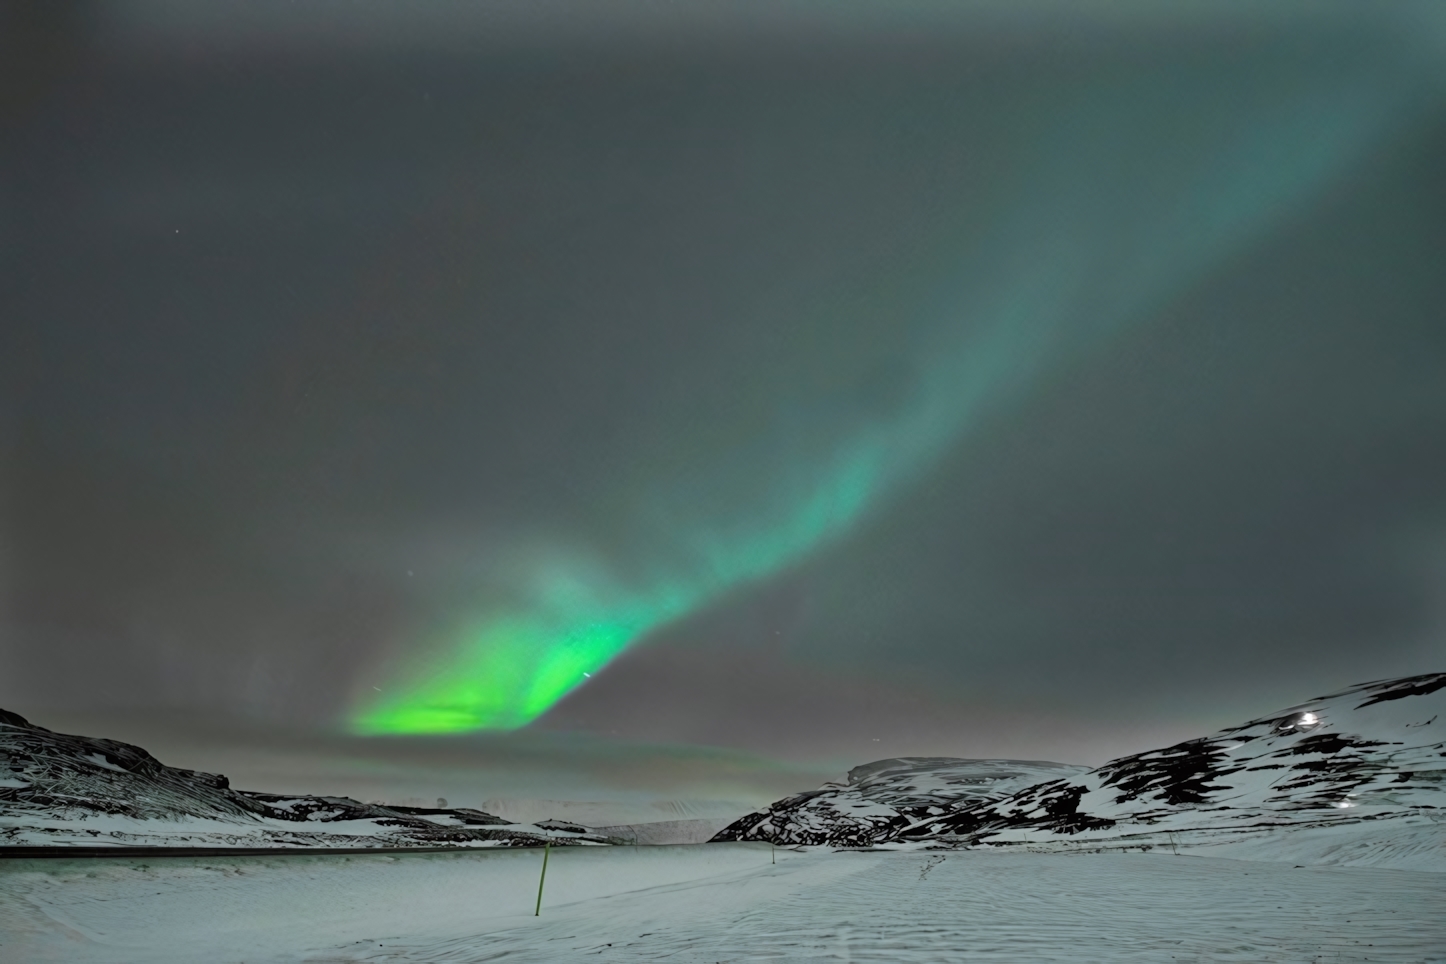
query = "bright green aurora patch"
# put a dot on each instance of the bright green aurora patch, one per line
(1128, 196)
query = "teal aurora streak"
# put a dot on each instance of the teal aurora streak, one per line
(1126, 197)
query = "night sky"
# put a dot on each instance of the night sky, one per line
(701, 398)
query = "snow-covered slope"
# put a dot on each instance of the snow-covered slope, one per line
(1361, 772)
(694, 830)
(61, 790)
(883, 797)
(1358, 776)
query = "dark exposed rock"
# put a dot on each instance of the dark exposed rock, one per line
(1395, 689)
(1178, 775)
(15, 719)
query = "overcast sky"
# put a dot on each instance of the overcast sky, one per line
(767, 388)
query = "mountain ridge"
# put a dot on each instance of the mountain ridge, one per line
(60, 790)
(1355, 775)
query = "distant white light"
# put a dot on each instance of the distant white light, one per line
(1344, 804)
(588, 675)
(1308, 719)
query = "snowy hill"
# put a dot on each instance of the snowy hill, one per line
(1358, 776)
(60, 790)
(1361, 771)
(882, 798)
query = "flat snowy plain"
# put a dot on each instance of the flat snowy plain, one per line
(715, 903)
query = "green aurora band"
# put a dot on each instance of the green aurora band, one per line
(1125, 197)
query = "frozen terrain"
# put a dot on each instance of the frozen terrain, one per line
(58, 790)
(1314, 834)
(716, 903)
(633, 821)
(1353, 777)
(883, 798)
(1357, 776)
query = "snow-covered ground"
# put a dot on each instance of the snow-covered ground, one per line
(716, 903)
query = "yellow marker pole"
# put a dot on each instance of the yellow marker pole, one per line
(542, 880)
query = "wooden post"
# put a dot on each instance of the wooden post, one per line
(542, 880)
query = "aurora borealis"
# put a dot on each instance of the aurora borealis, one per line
(713, 388)
(1125, 197)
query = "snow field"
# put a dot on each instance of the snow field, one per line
(716, 903)
(115, 909)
